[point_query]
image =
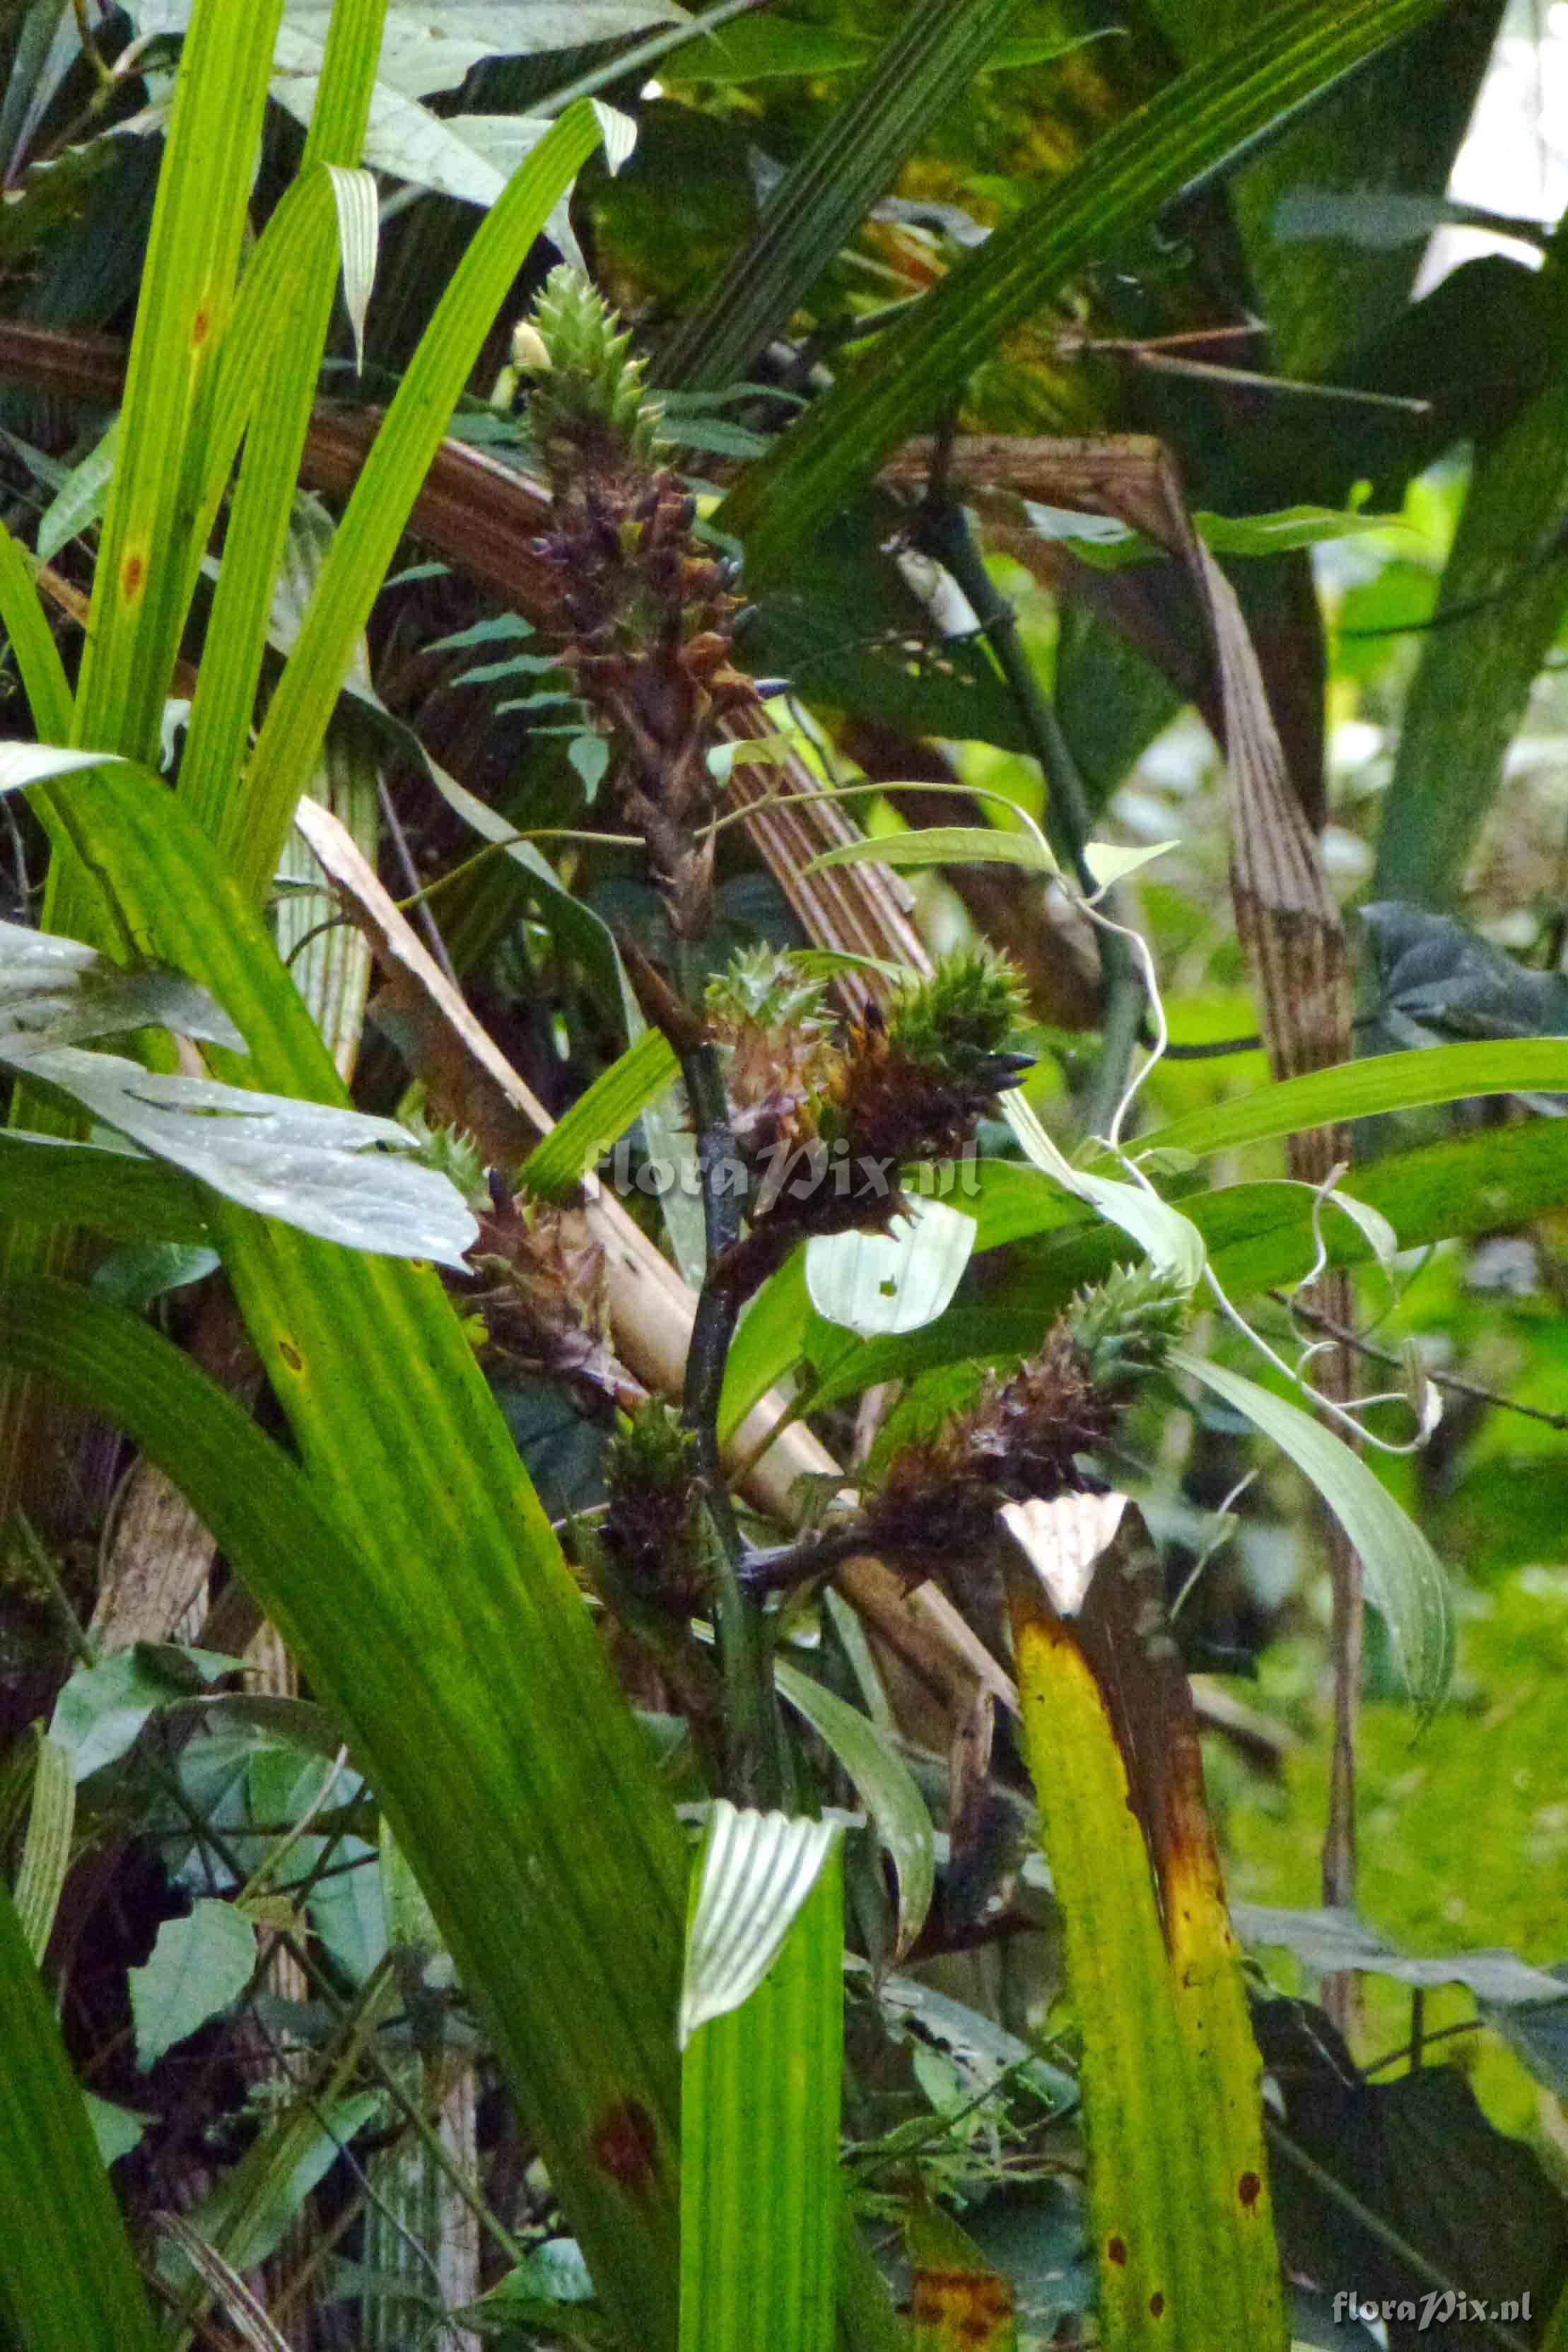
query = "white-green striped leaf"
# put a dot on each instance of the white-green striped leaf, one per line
(756, 1871)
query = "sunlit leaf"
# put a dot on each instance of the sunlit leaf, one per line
(1109, 861)
(1172, 1241)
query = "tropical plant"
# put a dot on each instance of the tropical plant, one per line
(574, 1547)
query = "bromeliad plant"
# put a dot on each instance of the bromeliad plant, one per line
(683, 2093)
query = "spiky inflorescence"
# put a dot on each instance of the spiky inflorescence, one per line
(915, 1080)
(647, 614)
(589, 412)
(650, 1526)
(1128, 1325)
(768, 1020)
(453, 1153)
(937, 1500)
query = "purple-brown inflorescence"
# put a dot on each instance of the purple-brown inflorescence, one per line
(646, 611)
(934, 1505)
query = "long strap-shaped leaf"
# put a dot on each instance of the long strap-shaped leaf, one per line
(67, 2277)
(1202, 121)
(933, 57)
(253, 545)
(139, 587)
(187, 289)
(1178, 2198)
(760, 2091)
(378, 512)
(405, 1449)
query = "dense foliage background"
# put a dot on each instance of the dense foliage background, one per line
(1046, 432)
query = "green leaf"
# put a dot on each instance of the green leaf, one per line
(32, 641)
(46, 1850)
(306, 1164)
(116, 2130)
(1169, 2073)
(771, 1342)
(881, 1282)
(1172, 1241)
(48, 1179)
(102, 1709)
(378, 511)
(760, 2093)
(53, 2190)
(245, 2217)
(933, 56)
(401, 1634)
(80, 499)
(1110, 861)
(199, 1966)
(885, 1786)
(1330, 1941)
(1475, 674)
(142, 583)
(1202, 121)
(756, 1871)
(620, 1094)
(1405, 1581)
(1352, 1090)
(269, 372)
(54, 991)
(942, 845)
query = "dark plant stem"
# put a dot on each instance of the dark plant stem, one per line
(944, 532)
(754, 1762)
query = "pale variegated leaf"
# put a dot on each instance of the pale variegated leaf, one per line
(1064, 1540)
(881, 1282)
(756, 1871)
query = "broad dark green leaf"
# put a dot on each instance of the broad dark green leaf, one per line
(1201, 121)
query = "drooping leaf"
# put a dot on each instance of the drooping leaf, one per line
(1171, 1240)
(1405, 1581)
(885, 1786)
